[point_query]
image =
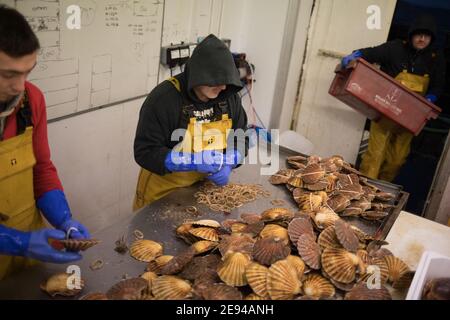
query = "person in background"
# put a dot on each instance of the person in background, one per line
(30, 189)
(203, 103)
(418, 66)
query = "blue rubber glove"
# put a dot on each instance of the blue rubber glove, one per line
(53, 205)
(231, 159)
(208, 161)
(34, 245)
(221, 177)
(347, 59)
(431, 97)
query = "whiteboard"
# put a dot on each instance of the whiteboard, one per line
(114, 56)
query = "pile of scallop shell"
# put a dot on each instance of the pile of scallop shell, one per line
(279, 255)
(330, 187)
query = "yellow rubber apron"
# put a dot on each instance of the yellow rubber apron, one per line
(17, 203)
(198, 137)
(390, 144)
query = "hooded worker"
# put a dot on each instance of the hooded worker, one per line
(419, 67)
(30, 189)
(200, 106)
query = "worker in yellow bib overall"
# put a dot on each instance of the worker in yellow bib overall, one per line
(202, 108)
(419, 67)
(30, 189)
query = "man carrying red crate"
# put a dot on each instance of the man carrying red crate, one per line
(418, 67)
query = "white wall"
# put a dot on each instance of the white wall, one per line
(93, 154)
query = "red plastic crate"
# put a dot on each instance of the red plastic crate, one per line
(374, 93)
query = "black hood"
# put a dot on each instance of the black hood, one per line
(212, 64)
(423, 23)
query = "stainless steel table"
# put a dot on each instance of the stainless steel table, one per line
(157, 222)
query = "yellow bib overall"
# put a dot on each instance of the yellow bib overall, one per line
(198, 137)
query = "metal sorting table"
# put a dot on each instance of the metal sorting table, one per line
(157, 222)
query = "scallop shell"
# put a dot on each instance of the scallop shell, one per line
(256, 275)
(313, 173)
(318, 186)
(373, 215)
(275, 214)
(339, 285)
(58, 284)
(205, 233)
(325, 217)
(298, 265)
(238, 227)
(236, 243)
(373, 263)
(232, 270)
(178, 262)
(254, 296)
(250, 218)
(384, 196)
(149, 276)
(94, 296)
(317, 286)
(309, 251)
(159, 262)
(145, 250)
(203, 246)
(338, 202)
(220, 291)
(309, 202)
(362, 292)
(130, 289)
(298, 227)
(397, 268)
(328, 239)
(253, 228)
(227, 223)
(206, 223)
(296, 182)
(183, 232)
(282, 281)
(78, 244)
(340, 264)
(269, 250)
(351, 191)
(171, 288)
(346, 235)
(275, 231)
(198, 265)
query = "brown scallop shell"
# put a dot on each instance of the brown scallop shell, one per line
(362, 292)
(232, 269)
(198, 265)
(171, 288)
(328, 239)
(351, 191)
(338, 202)
(253, 228)
(309, 201)
(183, 232)
(275, 231)
(159, 262)
(130, 289)
(318, 186)
(346, 235)
(178, 262)
(373, 215)
(78, 244)
(254, 296)
(269, 250)
(239, 227)
(57, 285)
(339, 285)
(298, 264)
(317, 286)
(340, 264)
(313, 173)
(145, 250)
(205, 233)
(296, 182)
(203, 246)
(250, 218)
(220, 291)
(256, 275)
(275, 214)
(309, 251)
(282, 281)
(298, 227)
(325, 217)
(397, 268)
(236, 243)
(370, 269)
(281, 177)
(384, 196)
